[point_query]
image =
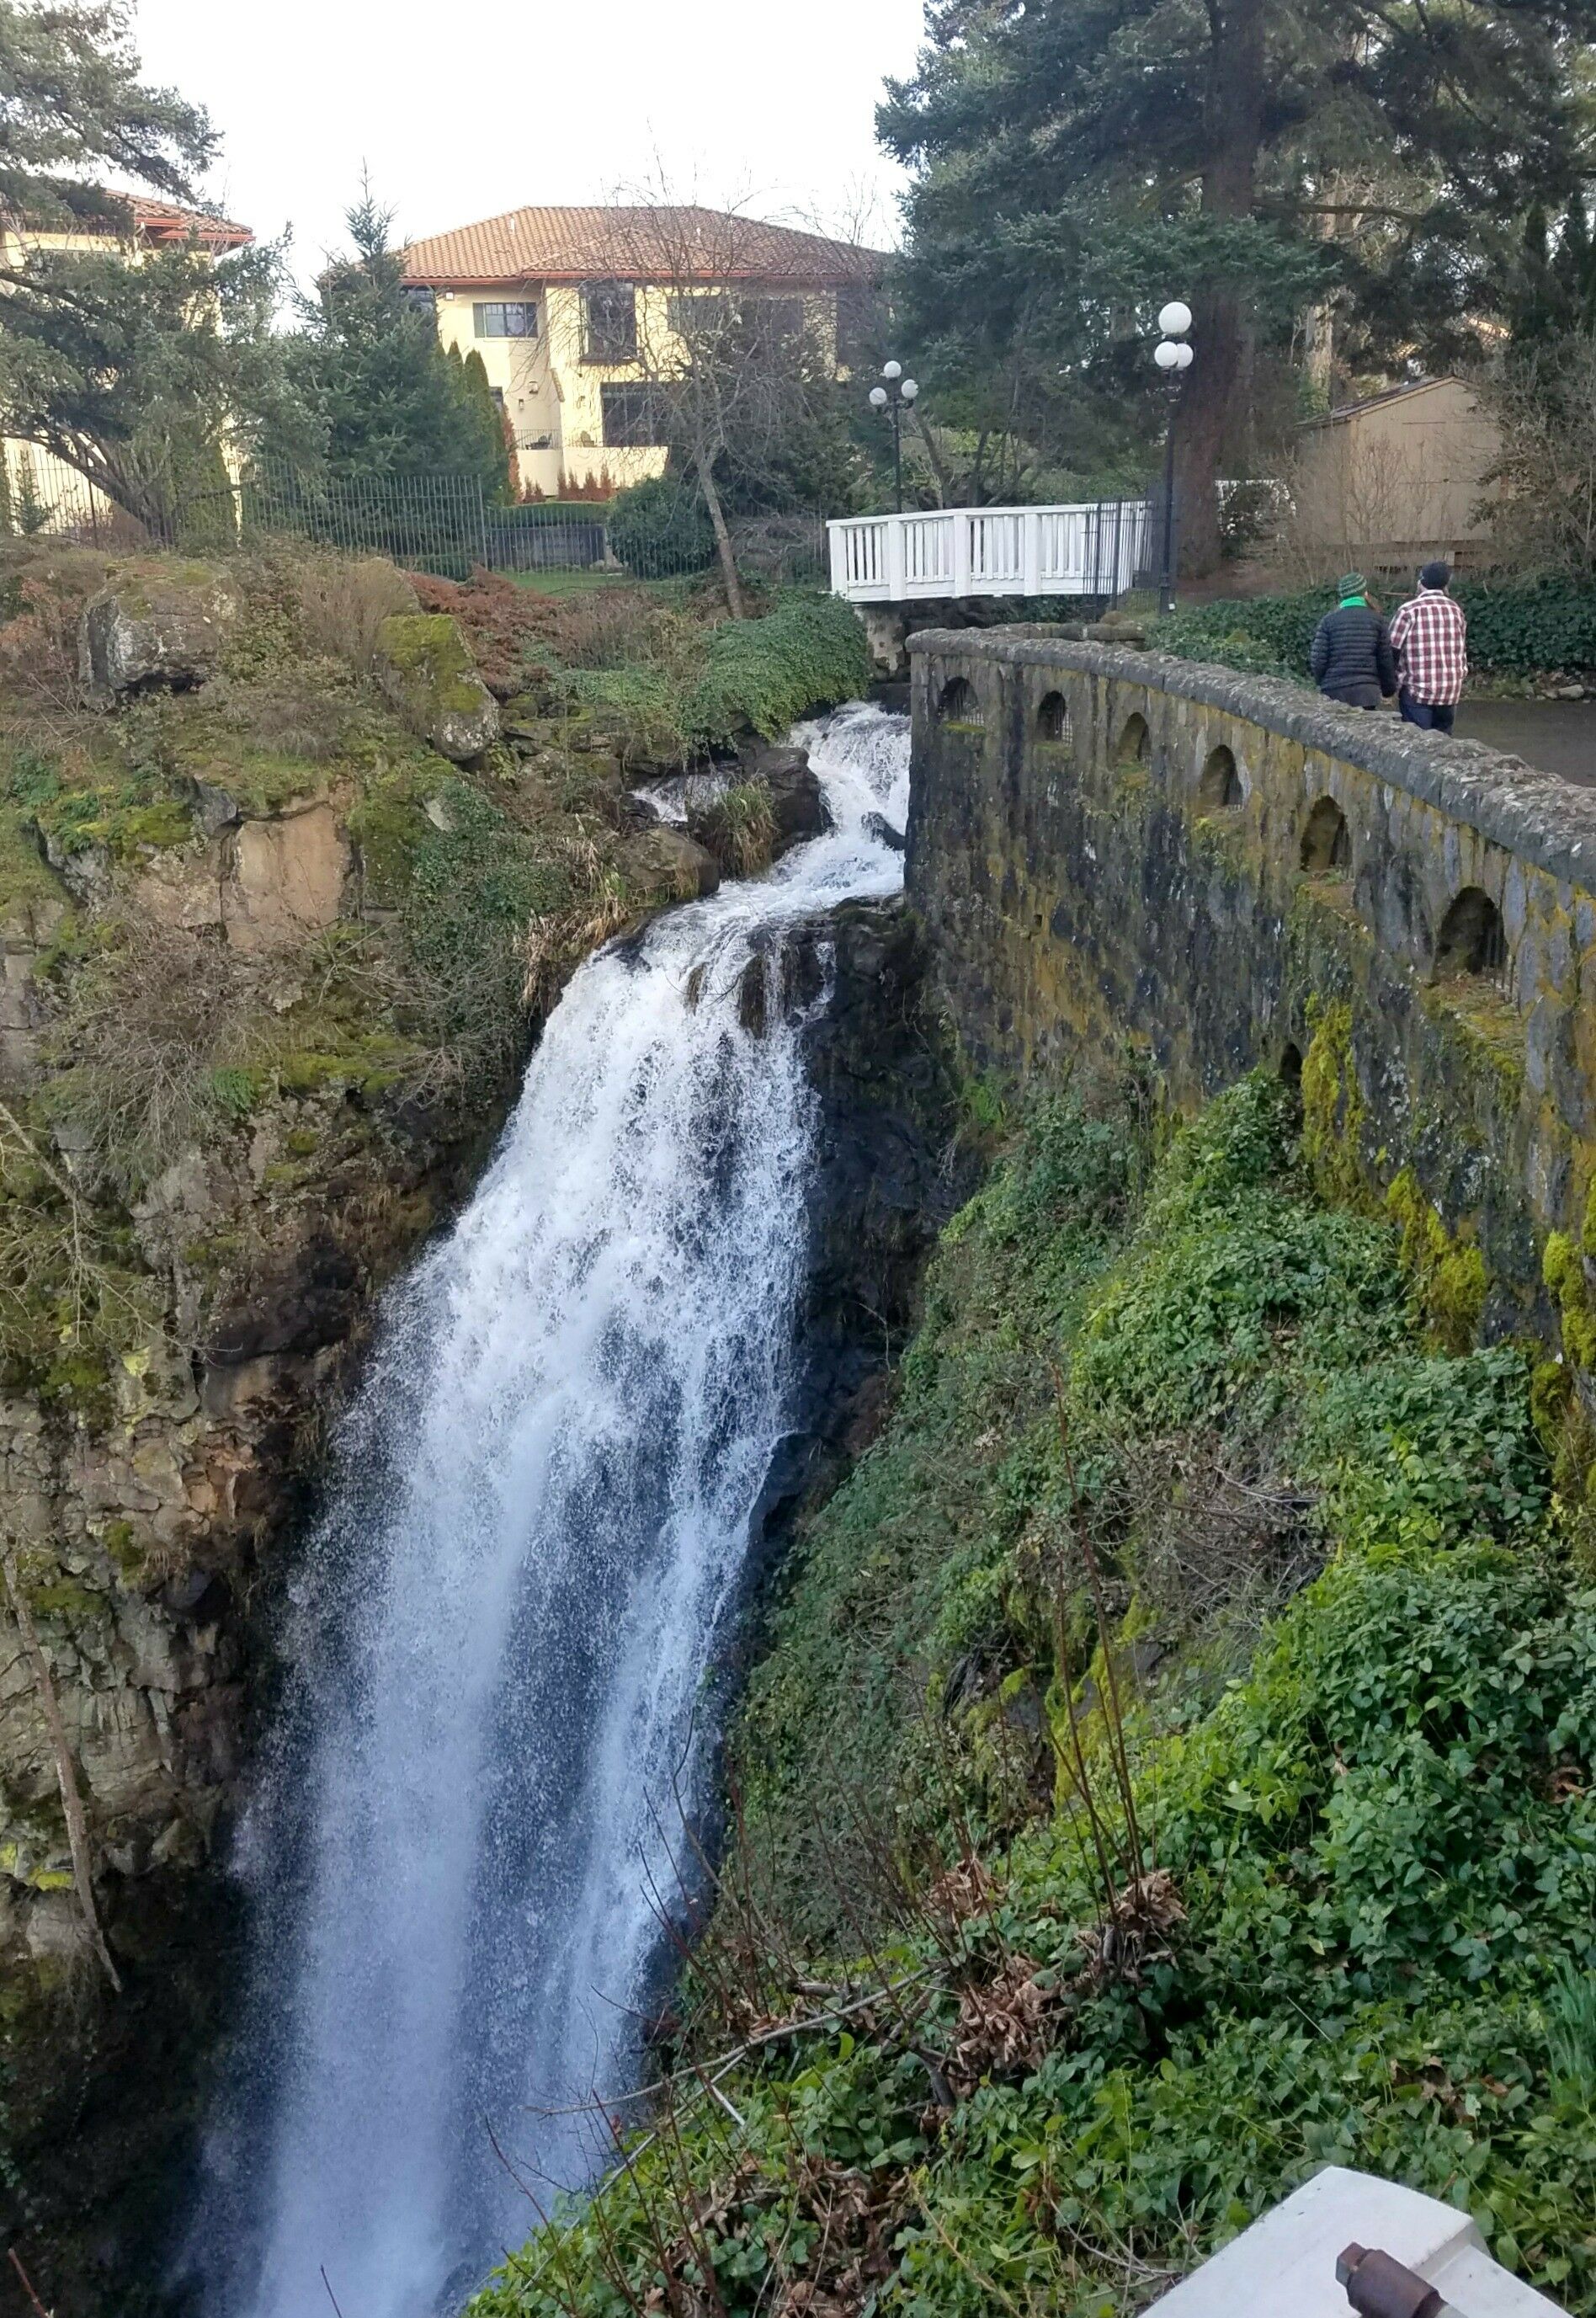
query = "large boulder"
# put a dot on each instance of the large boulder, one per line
(425, 668)
(797, 804)
(154, 629)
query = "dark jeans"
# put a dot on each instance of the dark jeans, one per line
(1429, 715)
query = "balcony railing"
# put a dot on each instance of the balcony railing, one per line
(1098, 550)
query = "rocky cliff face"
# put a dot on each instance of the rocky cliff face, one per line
(271, 965)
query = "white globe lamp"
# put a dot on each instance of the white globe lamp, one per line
(1167, 356)
(908, 390)
(892, 370)
(1176, 320)
(878, 397)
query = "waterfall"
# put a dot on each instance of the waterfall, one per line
(471, 1814)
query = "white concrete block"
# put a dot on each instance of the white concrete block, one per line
(1284, 2266)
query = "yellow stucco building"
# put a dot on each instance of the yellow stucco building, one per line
(577, 314)
(44, 492)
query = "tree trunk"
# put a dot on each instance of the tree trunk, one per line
(1214, 392)
(935, 456)
(717, 516)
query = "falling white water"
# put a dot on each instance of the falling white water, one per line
(472, 1816)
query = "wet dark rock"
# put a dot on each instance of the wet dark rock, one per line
(298, 1303)
(889, 1174)
(797, 804)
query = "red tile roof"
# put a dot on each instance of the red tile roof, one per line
(170, 221)
(645, 245)
(153, 221)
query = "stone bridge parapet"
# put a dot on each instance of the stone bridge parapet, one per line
(1106, 842)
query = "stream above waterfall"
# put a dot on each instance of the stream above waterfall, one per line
(468, 1824)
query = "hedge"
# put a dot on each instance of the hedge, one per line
(1516, 627)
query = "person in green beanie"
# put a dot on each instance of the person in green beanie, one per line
(1352, 659)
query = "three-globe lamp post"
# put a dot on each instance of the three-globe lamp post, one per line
(898, 395)
(1173, 356)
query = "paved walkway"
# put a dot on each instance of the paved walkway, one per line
(1558, 735)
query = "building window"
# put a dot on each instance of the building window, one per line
(425, 301)
(633, 418)
(498, 318)
(609, 322)
(775, 321)
(690, 312)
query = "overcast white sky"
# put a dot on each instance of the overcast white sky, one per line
(464, 108)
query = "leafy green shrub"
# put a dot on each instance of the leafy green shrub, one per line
(809, 652)
(715, 689)
(1261, 635)
(1516, 627)
(658, 527)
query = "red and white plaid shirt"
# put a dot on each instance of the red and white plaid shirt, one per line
(1429, 634)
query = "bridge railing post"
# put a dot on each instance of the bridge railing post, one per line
(961, 551)
(897, 569)
(1030, 553)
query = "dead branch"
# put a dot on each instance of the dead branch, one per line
(77, 1834)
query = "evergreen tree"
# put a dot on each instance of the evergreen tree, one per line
(136, 374)
(390, 398)
(73, 110)
(483, 426)
(132, 365)
(1555, 290)
(1078, 161)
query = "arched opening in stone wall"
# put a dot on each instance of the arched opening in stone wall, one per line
(1053, 718)
(1220, 788)
(1327, 841)
(1136, 742)
(957, 703)
(1472, 938)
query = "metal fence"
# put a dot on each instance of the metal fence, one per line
(442, 522)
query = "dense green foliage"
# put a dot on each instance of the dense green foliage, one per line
(660, 527)
(1365, 1826)
(1515, 628)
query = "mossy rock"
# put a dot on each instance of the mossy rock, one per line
(425, 668)
(154, 628)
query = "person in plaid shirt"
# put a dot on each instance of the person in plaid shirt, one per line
(1430, 634)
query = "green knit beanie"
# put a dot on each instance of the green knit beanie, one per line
(1351, 583)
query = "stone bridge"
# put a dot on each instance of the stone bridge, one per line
(1228, 871)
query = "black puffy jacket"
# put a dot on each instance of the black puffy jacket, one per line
(1352, 659)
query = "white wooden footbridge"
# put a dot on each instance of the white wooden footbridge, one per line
(1097, 550)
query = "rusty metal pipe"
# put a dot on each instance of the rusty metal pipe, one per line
(1379, 2285)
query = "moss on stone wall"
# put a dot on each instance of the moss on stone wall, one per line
(1447, 1273)
(1333, 1104)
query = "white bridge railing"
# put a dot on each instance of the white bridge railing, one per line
(1099, 548)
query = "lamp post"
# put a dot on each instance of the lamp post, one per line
(898, 395)
(1173, 356)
